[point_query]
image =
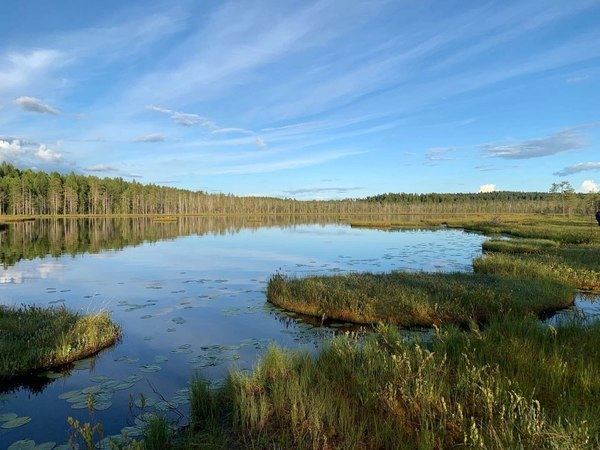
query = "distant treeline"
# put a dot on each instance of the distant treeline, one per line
(28, 192)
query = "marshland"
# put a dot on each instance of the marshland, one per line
(475, 356)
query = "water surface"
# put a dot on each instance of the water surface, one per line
(190, 297)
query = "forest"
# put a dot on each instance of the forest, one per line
(35, 193)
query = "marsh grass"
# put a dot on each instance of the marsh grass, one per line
(416, 299)
(33, 338)
(516, 384)
(578, 267)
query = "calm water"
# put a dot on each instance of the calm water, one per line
(191, 299)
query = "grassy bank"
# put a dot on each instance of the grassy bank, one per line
(416, 299)
(517, 384)
(34, 338)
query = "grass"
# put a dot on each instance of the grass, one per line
(516, 384)
(34, 339)
(416, 299)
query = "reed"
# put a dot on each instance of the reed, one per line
(33, 338)
(515, 384)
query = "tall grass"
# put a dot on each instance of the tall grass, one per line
(577, 267)
(33, 338)
(514, 385)
(416, 299)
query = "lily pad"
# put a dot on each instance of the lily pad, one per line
(15, 423)
(7, 416)
(150, 368)
(102, 405)
(69, 394)
(46, 446)
(23, 444)
(178, 320)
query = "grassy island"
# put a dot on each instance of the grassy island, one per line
(33, 338)
(417, 298)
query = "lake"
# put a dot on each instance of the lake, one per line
(190, 296)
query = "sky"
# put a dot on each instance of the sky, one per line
(305, 99)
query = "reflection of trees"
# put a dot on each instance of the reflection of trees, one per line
(39, 238)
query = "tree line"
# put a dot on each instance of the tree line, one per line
(35, 193)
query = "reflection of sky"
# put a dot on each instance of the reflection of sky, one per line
(201, 291)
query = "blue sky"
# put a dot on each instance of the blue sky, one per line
(305, 99)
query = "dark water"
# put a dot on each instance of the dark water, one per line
(190, 296)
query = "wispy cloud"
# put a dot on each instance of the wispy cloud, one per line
(580, 167)
(20, 68)
(149, 138)
(320, 190)
(110, 169)
(578, 79)
(190, 119)
(36, 105)
(439, 154)
(562, 141)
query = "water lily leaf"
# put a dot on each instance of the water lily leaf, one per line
(132, 431)
(147, 338)
(133, 378)
(79, 398)
(146, 316)
(178, 320)
(150, 368)
(100, 379)
(7, 416)
(18, 422)
(91, 390)
(46, 446)
(66, 447)
(69, 394)
(81, 405)
(102, 405)
(23, 444)
(123, 386)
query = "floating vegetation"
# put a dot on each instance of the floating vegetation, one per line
(127, 359)
(150, 368)
(178, 320)
(183, 349)
(15, 422)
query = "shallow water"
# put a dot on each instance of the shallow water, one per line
(190, 298)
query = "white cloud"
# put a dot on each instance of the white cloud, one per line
(8, 148)
(580, 167)
(36, 105)
(47, 155)
(487, 188)
(589, 186)
(561, 141)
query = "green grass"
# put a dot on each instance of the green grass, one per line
(416, 299)
(33, 338)
(516, 384)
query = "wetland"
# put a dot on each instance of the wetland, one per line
(190, 296)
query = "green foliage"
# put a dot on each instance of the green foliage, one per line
(33, 338)
(416, 299)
